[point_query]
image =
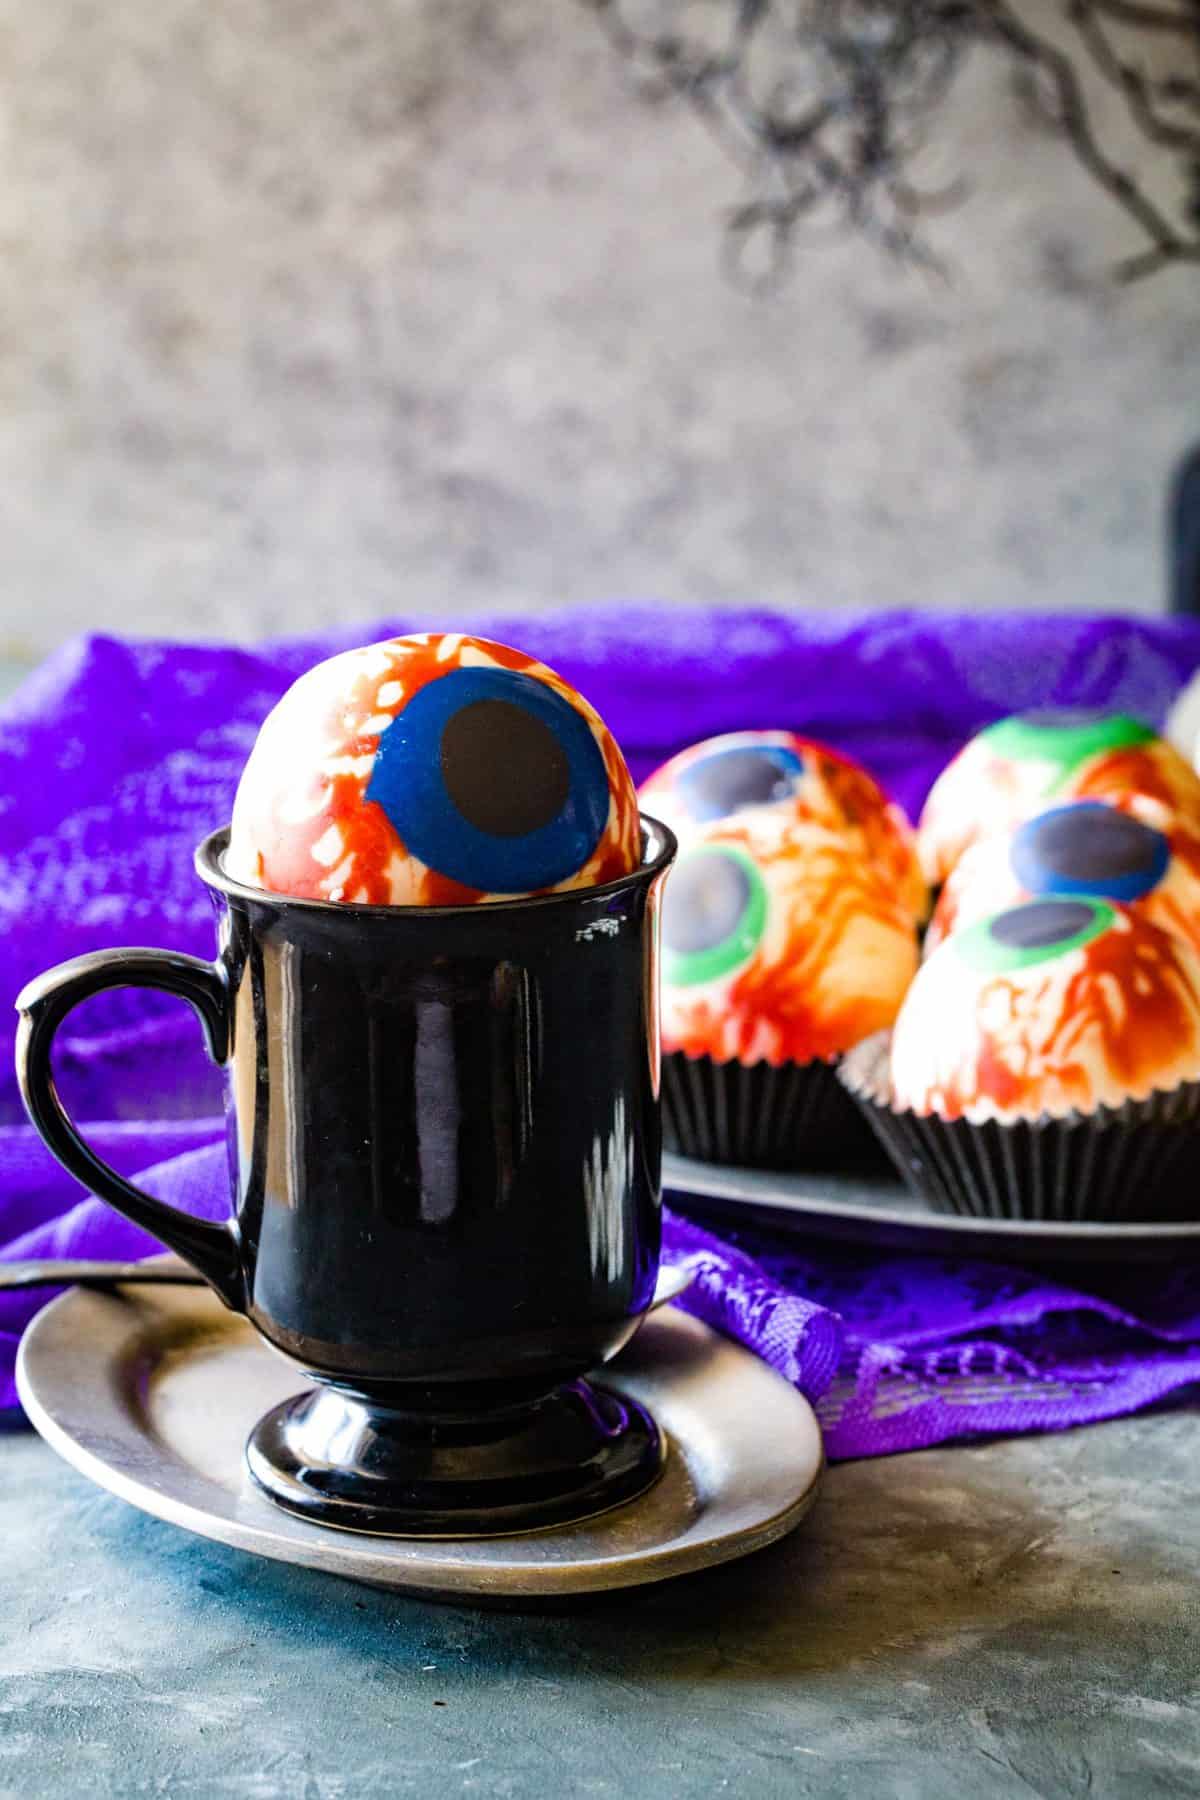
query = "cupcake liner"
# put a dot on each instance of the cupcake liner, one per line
(796, 1116)
(1139, 1161)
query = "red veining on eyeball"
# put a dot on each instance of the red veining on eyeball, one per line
(1115, 1019)
(834, 962)
(833, 790)
(981, 793)
(983, 881)
(301, 822)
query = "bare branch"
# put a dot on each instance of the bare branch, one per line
(838, 130)
(1167, 243)
(1131, 82)
(1136, 268)
(1150, 18)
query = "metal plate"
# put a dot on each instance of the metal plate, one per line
(881, 1213)
(152, 1392)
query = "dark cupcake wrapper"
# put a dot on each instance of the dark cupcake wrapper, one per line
(1138, 1161)
(794, 1116)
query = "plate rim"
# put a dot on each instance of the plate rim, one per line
(730, 1182)
(414, 1566)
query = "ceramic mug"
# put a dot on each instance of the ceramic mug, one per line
(445, 1149)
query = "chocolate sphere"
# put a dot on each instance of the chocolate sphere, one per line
(438, 769)
(743, 770)
(1021, 766)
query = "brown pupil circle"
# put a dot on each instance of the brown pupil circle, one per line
(505, 770)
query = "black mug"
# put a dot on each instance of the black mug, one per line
(445, 1150)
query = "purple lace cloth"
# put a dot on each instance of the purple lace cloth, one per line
(116, 758)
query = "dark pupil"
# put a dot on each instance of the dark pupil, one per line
(706, 897)
(1095, 846)
(725, 783)
(505, 771)
(1041, 922)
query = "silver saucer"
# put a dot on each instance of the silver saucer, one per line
(152, 1392)
(879, 1212)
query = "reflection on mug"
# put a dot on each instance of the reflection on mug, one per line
(437, 1110)
(607, 1182)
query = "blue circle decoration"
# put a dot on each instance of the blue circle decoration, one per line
(535, 774)
(1091, 850)
(725, 781)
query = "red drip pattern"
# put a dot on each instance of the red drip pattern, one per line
(369, 863)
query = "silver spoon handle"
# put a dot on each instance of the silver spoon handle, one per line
(51, 1273)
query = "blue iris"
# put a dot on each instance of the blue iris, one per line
(494, 780)
(738, 776)
(1091, 850)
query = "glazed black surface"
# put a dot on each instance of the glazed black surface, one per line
(445, 1134)
(445, 1149)
(444, 1129)
(365, 1467)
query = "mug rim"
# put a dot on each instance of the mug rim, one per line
(659, 846)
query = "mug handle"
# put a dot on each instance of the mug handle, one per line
(214, 1250)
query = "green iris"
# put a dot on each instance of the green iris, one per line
(1065, 741)
(1035, 933)
(714, 914)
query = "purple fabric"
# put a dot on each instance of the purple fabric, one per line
(116, 758)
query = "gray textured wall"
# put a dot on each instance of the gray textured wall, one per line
(319, 308)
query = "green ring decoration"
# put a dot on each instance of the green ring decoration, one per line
(691, 968)
(988, 954)
(1036, 738)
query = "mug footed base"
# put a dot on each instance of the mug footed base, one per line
(355, 1463)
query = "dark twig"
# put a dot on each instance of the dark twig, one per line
(1180, 23)
(1166, 243)
(1131, 81)
(837, 133)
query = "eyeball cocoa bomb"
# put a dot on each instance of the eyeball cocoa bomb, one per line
(1084, 849)
(779, 944)
(432, 770)
(1022, 765)
(781, 949)
(1059, 1006)
(724, 776)
(1045, 1065)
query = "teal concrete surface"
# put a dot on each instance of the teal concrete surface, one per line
(1015, 1619)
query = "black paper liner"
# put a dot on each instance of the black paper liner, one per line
(1136, 1162)
(796, 1116)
